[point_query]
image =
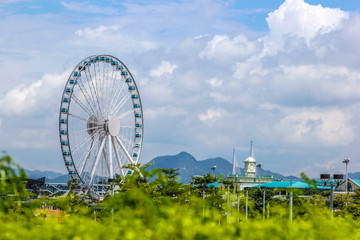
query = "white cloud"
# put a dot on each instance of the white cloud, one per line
(302, 20)
(215, 83)
(113, 37)
(25, 100)
(212, 114)
(165, 67)
(89, 33)
(164, 111)
(316, 127)
(88, 8)
(224, 48)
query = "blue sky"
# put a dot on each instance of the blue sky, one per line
(213, 75)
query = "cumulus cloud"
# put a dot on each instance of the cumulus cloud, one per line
(316, 127)
(300, 19)
(222, 47)
(212, 114)
(89, 33)
(215, 83)
(164, 111)
(165, 67)
(112, 36)
(25, 100)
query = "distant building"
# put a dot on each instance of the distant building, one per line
(353, 184)
(250, 178)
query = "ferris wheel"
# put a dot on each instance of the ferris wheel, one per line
(100, 120)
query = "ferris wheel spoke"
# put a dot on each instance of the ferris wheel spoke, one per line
(82, 105)
(111, 88)
(121, 103)
(127, 127)
(77, 147)
(117, 157)
(126, 113)
(90, 81)
(86, 155)
(96, 90)
(84, 92)
(92, 90)
(86, 129)
(127, 140)
(117, 93)
(96, 161)
(80, 118)
(117, 96)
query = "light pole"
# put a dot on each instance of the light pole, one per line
(291, 201)
(213, 168)
(337, 178)
(259, 166)
(346, 161)
(246, 203)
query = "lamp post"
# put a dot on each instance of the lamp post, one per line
(291, 201)
(246, 203)
(337, 178)
(213, 168)
(346, 161)
(259, 166)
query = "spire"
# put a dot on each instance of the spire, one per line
(251, 149)
(234, 163)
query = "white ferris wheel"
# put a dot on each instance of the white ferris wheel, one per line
(100, 120)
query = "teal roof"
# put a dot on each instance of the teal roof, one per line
(287, 184)
(357, 181)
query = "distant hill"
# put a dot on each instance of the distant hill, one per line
(49, 175)
(187, 164)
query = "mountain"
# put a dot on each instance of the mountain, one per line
(189, 166)
(49, 175)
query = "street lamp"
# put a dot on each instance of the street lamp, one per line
(259, 166)
(213, 168)
(346, 161)
(337, 178)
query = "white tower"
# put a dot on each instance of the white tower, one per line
(250, 164)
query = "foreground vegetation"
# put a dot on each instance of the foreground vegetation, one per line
(163, 208)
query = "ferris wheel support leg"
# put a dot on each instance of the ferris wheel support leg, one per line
(96, 161)
(106, 160)
(128, 155)
(117, 157)
(110, 158)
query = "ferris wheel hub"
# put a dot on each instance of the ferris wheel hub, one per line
(113, 125)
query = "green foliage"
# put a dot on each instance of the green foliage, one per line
(12, 185)
(154, 205)
(208, 178)
(311, 182)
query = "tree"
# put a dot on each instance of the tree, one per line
(12, 184)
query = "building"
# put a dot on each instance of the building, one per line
(250, 178)
(352, 185)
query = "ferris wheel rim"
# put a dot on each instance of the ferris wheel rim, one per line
(114, 126)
